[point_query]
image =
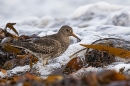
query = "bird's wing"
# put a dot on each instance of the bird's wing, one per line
(47, 45)
(44, 46)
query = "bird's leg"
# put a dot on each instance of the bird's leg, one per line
(45, 61)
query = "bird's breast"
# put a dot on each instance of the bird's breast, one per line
(65, 44)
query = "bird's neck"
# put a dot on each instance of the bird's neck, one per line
(63, 37)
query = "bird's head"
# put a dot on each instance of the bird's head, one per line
(67, 31)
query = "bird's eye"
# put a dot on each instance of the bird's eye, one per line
(67, 30)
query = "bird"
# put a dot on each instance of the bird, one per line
(50, 46)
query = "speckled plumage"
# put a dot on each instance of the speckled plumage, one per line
(50, 46)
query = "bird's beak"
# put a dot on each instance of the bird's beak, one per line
(75, 36)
